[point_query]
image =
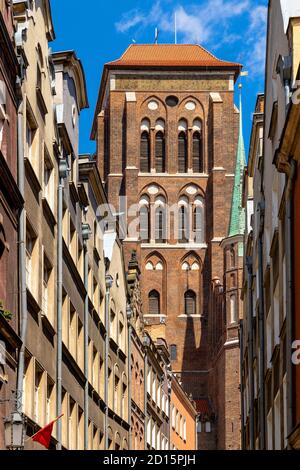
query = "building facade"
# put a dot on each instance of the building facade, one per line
(183, 419)
(38, 173)
(161, 139)
(230, 311)
(252, 363)
(11, 202)
(269, 391)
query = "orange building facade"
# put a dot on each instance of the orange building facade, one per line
(183, 419)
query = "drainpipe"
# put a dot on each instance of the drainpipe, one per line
(108, 284)
(22, 262)
(169, 404)
(289, 295)
(63, 172)
(146, 343)
(86, 231)
(250, 350)
(129, 316)
(261, 328)
(196, 432)
(241, 337)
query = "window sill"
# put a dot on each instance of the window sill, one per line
(183, 315)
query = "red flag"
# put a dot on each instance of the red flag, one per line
(43, 436)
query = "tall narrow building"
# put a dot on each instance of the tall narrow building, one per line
(226, 349)
(166, 131)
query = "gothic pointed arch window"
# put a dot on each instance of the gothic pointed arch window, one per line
(145, 149)
(197, 147)
(160, 157)
(190, 303)
(154, 303)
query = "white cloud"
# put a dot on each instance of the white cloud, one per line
(255, 45)
(195, 23)
(129, 20)
(211, 23)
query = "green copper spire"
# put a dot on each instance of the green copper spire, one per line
(237, 215)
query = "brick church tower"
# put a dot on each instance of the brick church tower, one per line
(166, 129)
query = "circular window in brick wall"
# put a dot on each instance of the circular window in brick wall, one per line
(172, 101)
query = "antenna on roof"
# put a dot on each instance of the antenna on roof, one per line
(156, 36)
(175, 24)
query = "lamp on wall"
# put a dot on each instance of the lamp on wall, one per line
(14, 431)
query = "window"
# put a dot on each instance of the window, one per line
(182, 153)
(232, 258)
(160, 223)
(80, 420)
(199, 220)
(31, 142)
(110, 384)
(48, 179)
(145, 152)
(154, 303)
(190, 303)
(73, 241)
(47, 289)
(172, 101)
(50, 404)
(160, 152)
(117, 392)
(183, 224)
(72, 424)
(31, 259)
(144, 223)
(173, 352)
(121, 331)
(39, 395)
(207, 426)
(197, 147)
(124, 398)
(113, 332)
(233, 309)
(73, 332)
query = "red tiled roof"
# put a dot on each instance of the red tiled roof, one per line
(169, 55)
(203, 406)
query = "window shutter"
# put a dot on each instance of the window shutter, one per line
(173, 355)
(182, 153)
(199, 224)
(145, 153)
(160, 230)
(160, 153)
(144, 223)
(197, 153)
(154, 307)
(183, 225)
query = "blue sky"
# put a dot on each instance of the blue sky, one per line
(231, 29)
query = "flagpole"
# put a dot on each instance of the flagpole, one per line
(175, 21)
